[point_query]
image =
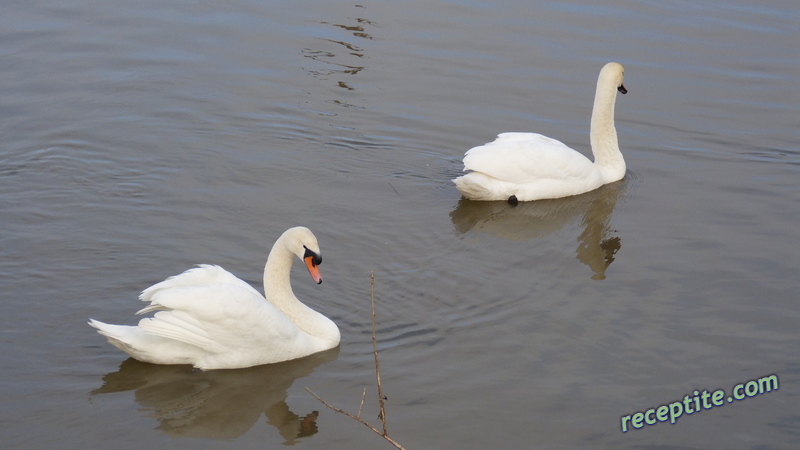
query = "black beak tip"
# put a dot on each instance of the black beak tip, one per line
(622, 89)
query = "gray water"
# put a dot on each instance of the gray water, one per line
(141, 138)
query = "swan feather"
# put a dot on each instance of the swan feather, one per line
(208, 317)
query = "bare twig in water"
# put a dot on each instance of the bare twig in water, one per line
(381, 398)
(361, 406)
(375, 351)
(392, 441)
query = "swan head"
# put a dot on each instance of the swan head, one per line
(302, 242)
(613, 74)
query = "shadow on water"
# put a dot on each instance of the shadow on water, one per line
(218, 404)
(597, 244)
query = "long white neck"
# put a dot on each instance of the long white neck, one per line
(603, 134)
(278, 291)
(277, 273)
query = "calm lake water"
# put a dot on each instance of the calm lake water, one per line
(141, 138)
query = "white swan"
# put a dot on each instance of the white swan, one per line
(211, 319)
(529, 166)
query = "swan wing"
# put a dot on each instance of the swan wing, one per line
(522, 158)
(202, 275)
(212, 309)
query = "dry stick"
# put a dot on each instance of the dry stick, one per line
(392, 441)
(361, 406)
(375, 351)
(377, 375)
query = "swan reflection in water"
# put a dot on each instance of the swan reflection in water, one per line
(597, 246)
(218, 404)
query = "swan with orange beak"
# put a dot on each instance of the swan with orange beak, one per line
(209, 318)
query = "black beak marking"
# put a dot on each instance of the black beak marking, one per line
(621, 89)
(315, 258)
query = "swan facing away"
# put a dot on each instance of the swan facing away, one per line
(211, 319)
(529, 166)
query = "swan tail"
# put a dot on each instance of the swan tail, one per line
(139, 344)
(481, 187)
(121, 336)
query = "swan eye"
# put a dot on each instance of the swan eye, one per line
(315, 258)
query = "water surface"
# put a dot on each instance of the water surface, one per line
(142, 138)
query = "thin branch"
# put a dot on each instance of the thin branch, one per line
(360, 407)
(392, 441)
(375, 351)
(378, 378)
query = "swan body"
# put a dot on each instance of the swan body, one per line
(530, 166)
(209, 318)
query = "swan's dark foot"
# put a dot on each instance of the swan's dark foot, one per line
(513, 200)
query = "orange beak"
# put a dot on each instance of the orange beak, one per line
(313, 269)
